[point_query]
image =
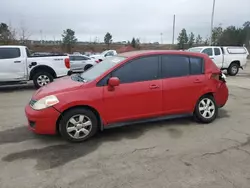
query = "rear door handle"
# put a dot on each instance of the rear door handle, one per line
(197, 81)
(17, 61)
(154, 86)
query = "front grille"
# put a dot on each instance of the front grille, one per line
(32, 102)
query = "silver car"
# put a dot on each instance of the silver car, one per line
(80, 63)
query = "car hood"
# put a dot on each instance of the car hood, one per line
(60, 85)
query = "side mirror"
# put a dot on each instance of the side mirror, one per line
(114, 81)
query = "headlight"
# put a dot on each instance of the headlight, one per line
(45, 102)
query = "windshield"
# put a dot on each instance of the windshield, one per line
(103, 53)
(101, 67)
(194, 49)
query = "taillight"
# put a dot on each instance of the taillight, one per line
(97, 61)
(215, 76)
(218, 76)
(67, 62)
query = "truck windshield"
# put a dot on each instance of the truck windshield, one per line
(101, 67)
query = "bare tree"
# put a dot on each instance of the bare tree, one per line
(24, 34)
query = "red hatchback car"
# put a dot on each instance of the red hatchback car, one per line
(128, 88)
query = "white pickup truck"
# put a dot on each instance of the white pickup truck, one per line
(230, 58)
(18, 66)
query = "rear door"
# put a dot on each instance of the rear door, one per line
(218, 57)
(77, 62)
(12, 64)
(182, 82)
(139, 94)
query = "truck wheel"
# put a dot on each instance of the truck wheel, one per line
(42, 78)
(233, 69)
(87, 67)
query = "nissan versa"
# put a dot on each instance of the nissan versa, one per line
(128, 88)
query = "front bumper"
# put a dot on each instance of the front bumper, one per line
(42, 121)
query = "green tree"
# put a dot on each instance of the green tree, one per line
(138, 43)
(133, 43)
(68, 39)
(182, 39)
(216, 35)
(108, 39)
(191, 40)
(198, 40)
(5, 34)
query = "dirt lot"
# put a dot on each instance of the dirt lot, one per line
(173, 154)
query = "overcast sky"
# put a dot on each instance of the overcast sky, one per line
(124, 19)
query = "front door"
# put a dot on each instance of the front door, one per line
(182, 82)
(12, 64)
(139, 94)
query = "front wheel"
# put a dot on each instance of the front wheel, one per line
(42, 78)
(206, 109)
(78, 125)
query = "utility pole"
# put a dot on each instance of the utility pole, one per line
(161, 39)
(173, 30)
(212, 23)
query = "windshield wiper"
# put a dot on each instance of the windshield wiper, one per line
(79, 78)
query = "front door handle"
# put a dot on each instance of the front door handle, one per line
(17, 61)
(154, 86)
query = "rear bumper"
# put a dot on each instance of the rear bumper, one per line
(221, 95)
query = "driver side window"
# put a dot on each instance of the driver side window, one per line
(208, 51)
(138, 70)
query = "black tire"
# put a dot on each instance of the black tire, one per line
(199, 114)
(39, 75)
(87, 67)
(73, 113)
(233, 69)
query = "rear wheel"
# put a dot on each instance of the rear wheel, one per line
(87, 67)
(42, 78)
(206, 109)
(233, 69)
(78, 125)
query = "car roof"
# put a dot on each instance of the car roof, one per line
(159, 52)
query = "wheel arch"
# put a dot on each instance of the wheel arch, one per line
(42, 68)
(210, 93)
(100, 122)
(236, 62)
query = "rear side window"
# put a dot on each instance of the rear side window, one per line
(196, 66)
(216, 51)
(9, 53)
(71, 58)
(174, 66)
(138, 70)
(179, 66)
(208, 51)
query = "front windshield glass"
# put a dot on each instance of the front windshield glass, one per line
(103, 53)
(194, 49)
(101, 67)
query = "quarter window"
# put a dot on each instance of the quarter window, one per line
(139, 70)
(9, 53)
(196, 65)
